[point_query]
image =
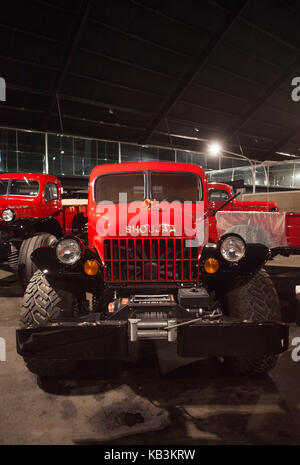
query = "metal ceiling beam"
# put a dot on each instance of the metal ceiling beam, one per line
(76, 118)
(30, 63)
(81, 19)
(84, 101)
(256, 27)
(54, 6)
(203, 31)
(230, 131)
(192, 72)
(125, 62)
(32, 34)
(98, 23)
(219, 68)
(172, 19)
(279, 144)
(205, 127)
(115, 84)
(97, 103)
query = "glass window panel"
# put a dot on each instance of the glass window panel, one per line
(30, 152)
(8, 150)
(107, 152)
(85, 156)
(190, 157)
(243, 174)
(23, 187)
(215, 195)
(109, 186)
(176, 186)
(224, 176)
(51, 192)
(130, 153)
(149, 153)
(281, 175)
(166, 155)
(297, 175)
(60, 154)
(3, 186)
(260, 176)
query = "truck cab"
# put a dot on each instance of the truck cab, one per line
(29, 196)
(32, 214)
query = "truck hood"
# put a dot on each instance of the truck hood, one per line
(22, 207)
(260, 205)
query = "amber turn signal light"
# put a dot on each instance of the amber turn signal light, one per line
(91, 267)
(211, 265)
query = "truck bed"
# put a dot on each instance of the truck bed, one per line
(281, 229)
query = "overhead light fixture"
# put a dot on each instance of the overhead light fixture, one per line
(214, 148)
(287, 154)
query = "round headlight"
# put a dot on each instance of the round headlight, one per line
(68, 251)
(8, 215)
(233, 249)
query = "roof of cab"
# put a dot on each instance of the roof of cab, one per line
(33, 176)
(218, 185)
(145, 166)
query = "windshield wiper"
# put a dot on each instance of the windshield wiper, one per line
(214, 212)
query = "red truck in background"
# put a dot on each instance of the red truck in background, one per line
(32, 215)
(219, 193)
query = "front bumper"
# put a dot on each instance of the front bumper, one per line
(110, 339)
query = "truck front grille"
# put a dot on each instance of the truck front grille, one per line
(131, 260)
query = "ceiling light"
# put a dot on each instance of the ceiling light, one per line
(214, 148)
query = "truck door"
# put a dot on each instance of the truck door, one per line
(51, 200)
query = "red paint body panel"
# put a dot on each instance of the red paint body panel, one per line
(293, 229)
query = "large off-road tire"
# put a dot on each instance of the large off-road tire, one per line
(254, 299)
(26, 267)
(41, 305)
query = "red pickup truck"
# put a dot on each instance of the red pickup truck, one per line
(219, 193)
(32, 214)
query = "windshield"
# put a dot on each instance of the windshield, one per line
(215, 195)
(21, 187)
(176, 186)
(109, 186)
(156, 185)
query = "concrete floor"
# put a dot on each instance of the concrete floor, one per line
(156, 399)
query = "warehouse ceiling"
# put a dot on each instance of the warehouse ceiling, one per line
(148, 71)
